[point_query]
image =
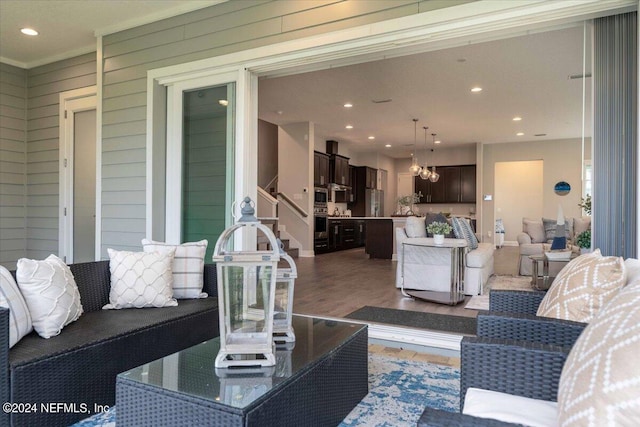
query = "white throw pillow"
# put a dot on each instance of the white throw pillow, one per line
(188, 266)
(583, 286)
(600, 381)
(51, 294)
(141, 279)
(11, 298)
(415, 226)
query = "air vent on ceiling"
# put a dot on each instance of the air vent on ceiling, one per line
(540, 134)
(380, 101)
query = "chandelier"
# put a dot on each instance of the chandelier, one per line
(425, 173)
(435, 176)
(415, 167)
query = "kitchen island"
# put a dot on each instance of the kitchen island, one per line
(376, 234)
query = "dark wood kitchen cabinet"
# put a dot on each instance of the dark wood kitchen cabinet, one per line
(320, 169)
(457, 184)
(339, 170)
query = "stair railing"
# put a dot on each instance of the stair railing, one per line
(293, 204)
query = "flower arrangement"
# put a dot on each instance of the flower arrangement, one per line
(409, 200)
(439, 228)
(584, 239)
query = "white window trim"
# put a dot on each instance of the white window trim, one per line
(447, 27)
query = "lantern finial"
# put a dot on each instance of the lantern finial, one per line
(247, 211)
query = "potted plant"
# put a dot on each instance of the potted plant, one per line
(585, 204)
(406, 203)
(439, 229)
(584, 241)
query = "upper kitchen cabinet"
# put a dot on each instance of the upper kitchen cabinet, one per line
(339, 170)
(457, 184)
(320, 169)
(468, 184)
(371, 178)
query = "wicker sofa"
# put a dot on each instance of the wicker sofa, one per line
(78, 368)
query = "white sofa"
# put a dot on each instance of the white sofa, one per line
(428, 268)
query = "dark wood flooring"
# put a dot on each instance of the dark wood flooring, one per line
(335, 284)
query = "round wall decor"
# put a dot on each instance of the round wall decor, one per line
(562, 188)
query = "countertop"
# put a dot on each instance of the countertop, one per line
(363, 217)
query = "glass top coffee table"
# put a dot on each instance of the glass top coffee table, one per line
(316, 381)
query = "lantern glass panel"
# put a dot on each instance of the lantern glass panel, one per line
(246, 297)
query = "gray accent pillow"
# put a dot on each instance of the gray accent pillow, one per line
(550, 226)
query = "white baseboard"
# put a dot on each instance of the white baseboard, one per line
(306, 254)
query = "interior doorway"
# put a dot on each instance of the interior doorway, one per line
(78, 184)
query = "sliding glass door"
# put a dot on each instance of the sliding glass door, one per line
(200, 161)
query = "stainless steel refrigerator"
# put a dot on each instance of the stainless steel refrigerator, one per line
(374, 202)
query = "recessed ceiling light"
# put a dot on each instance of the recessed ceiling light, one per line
(29, 31)
(476, 89)
(349, 126)
(437, 142)
(223, 102)
(279, 112)
(388, 145)
(348, 105)
(519, 133)
(517, 119)
(372, 137)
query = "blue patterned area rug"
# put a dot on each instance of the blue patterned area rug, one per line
(399, 390)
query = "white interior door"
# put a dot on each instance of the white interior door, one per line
(78, 185)
(405, 185)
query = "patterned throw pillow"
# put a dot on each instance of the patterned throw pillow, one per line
(188, 266)
(140, 279)
(463, 230)
(11, 298)
(51, 294)
(550, 226)
(583, 286)
(600, 381)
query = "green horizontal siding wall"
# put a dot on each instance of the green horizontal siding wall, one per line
(44, 85)
(13, 160)
(229, 27)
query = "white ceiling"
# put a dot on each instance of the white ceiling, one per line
(69, 27)
(526, 76)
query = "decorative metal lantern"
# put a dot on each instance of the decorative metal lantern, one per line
(283, 309)
(246, 296)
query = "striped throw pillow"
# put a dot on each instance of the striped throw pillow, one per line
(11, 298)
(188, 266)
(462, 229)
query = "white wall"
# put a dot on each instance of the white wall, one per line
(267, 152)
(562, 162)
(295, 173)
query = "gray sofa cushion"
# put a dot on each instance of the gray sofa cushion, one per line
(101, 326)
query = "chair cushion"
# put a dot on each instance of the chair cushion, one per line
(188, 266)
(510, 408)
(583, 286)
(51, 294)
(480, 256)
(11, 298)
(600, 381)
(415, 226)
(535, 229)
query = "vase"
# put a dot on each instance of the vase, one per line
(438, 239)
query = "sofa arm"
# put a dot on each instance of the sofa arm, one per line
(210, 280)
(4, 363)
(525, 327)
(524, 239)
(437, 418)
(520, 368)
(526, 302)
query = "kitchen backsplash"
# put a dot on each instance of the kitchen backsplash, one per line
(331, 206)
